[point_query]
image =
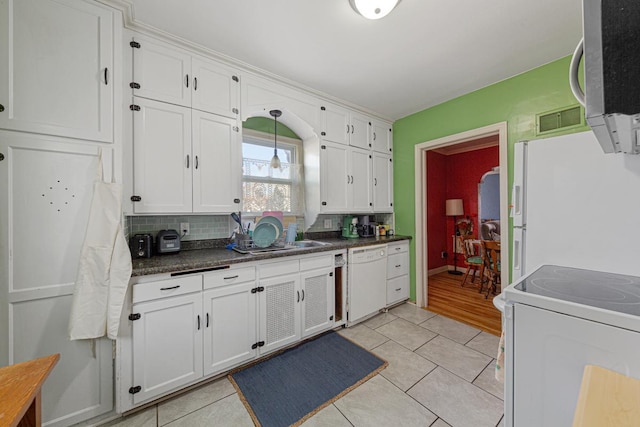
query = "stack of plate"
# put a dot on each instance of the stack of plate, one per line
(267, 231)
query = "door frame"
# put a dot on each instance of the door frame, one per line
(420, 158)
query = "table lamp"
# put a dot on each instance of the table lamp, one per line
(454, 208)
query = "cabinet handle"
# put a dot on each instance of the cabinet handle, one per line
(207, 320)
(169, 288)
(196, 164)
(298, 292)
(231, 277)
(195, 83)
(187, 79)
(374, 136)
(375, 181)
(348, 179)
(398, 266)
(106, 76)
(187, 161)
(352, 131)
(398, 289)
(347, 128)
(198, 322)
(303, 295)
(352, 179)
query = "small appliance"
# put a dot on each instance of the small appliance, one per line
(167, 242)
(350, 227)
(141, 245)
(365, 228)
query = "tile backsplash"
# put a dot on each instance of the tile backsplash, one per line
(201, 227)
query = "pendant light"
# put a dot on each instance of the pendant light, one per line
(373, 9)
(275, 161)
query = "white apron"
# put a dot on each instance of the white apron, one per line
(105, 266)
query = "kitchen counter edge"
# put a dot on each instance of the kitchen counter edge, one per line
(200, 259)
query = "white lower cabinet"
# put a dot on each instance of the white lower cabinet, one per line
(167, 336)
(187, 328)
(397, 272)
(229, 324)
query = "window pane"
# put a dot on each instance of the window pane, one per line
(257, 158)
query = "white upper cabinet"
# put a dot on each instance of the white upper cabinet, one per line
(382, 183)
(162, 157)
(346, 179)
(381, 137)
(169, 74)
(56, 68)
(344, 126)
(215, 88)
(161, 72)
(360, 176)
(216, 163)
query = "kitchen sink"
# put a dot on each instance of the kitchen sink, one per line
(309, 244)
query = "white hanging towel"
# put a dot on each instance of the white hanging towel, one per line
(105, 266)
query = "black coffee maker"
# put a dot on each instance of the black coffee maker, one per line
(365, 228)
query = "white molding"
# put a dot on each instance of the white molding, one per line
(438, 270)
(130, 22)
(420, 160)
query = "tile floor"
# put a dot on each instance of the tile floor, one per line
(440, 374)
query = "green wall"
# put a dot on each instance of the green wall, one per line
(516, 101)
(264, 124)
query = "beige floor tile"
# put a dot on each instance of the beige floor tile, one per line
(379, 403)
(462, 361)
(329, 416)
(405, 367)
(145, 418)
(440, 423)
(406, 333)
(379, 320)
(188, 402)
(412, 313)
(228, 412)
(485, 343)
(487, 381)
(456, 401)
(363, 336)
(452, 329)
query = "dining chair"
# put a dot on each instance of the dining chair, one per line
(472, 259)
(491, 261)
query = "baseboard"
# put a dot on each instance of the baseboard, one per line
(438, 270)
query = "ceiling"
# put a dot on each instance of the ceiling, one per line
(422, 54)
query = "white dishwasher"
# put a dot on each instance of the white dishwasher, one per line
(367, 283)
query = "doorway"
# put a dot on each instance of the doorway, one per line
(459, 141)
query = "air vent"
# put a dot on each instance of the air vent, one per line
(560, 119)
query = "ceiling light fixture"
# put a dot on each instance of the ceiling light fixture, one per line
(275, 161)
(373, 9)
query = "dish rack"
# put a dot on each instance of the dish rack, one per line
(244, 244)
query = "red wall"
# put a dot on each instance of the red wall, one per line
(453, 177)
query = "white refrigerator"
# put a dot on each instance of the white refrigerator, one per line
(575, 206)
(573, 300)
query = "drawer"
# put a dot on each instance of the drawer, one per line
(397, 289)
(315, 262)
(398, 247)
(397, 265)
(278, 268)
(229, 276)
(167, 288)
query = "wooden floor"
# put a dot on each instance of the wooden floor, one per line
(465, 304)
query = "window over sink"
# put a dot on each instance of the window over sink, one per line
(268, 189)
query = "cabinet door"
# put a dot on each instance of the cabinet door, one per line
(317, 301)
(382, 183)
(361, 179)
(335, 124)
(381, 137)
(397, 289)
(162, 71)
(230, 326)
(167, 345)
(216, 163)
(279, 312)
(216, 88)
(360, 130)
(162, 157)
(56, 68)
(334, 159)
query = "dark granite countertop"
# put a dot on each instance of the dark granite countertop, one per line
(201, 259)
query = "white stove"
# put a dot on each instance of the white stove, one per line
(559, 319)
